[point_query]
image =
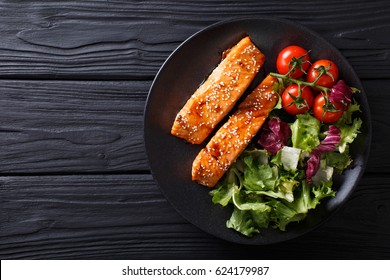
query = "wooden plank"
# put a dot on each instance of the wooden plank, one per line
(131, 39)
(69, 126)
(91, 126)
(126, 216)
(377, 94)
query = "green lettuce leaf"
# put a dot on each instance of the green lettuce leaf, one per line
(222, 194)
(348, 134)
(338, 161)
(305, 132)
(257, 176)
(261, 218)
(246, 200)
(309, 196)
(242, 221)
(347, 118)
(282, 214)
(349, 126)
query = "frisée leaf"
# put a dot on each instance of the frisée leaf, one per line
(349, 133)
(243, 222)
(305, 132)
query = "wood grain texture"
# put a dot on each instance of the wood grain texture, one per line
(67, 126)
(131, 39)
(126, 216)
(74, 178)
(96, 126)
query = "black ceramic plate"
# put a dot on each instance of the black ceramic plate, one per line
(171, 158)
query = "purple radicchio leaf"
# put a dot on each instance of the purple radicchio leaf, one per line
(328, 144)
(341, 93)
(275, 135)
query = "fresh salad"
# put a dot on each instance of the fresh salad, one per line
(288, 169)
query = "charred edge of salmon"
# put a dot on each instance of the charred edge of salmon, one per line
(214, 160)
(211, 102)
(208, 169)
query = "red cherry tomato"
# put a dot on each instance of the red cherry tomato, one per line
(326, 112)
(329, 70)
(290, 56)
(295, 104)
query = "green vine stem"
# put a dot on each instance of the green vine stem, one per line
(299, 82)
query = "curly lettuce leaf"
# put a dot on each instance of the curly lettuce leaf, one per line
(349, 133)
(246, 200)
(259, 177)
(282, 214)
(322, 191)
(349, 126)
(338, 161)
(243, 222)
(261, 218)
(222, 194)
(305, 132)
(309, 196)
(306, 197)
(347, 116)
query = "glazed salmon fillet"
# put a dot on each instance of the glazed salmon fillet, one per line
(234, 136)
(212, 101)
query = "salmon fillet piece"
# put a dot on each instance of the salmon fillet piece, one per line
(234, 136)
(212, 101)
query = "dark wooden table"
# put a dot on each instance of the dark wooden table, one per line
(74, 178)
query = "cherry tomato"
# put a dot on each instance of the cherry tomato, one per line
(326, 112)
(295, 104)
(290, 56)
(329, 70)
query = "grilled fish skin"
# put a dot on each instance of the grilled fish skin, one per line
(234, 136)
(213, 100)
